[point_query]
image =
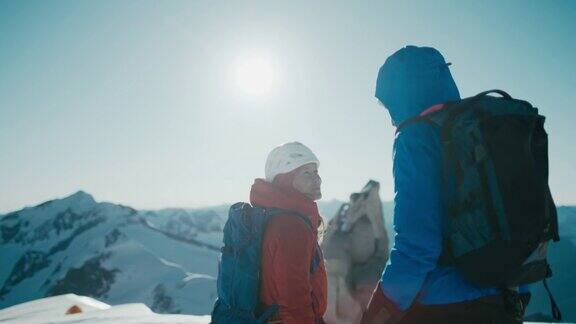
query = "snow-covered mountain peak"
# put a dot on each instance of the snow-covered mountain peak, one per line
(78, 201)
(80, 196)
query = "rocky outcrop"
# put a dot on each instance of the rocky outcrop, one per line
(355, 247)
(162, 302)
(27, 266)
(91, 279)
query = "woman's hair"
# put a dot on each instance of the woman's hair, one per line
(321, 229)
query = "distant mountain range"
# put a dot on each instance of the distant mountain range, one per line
(111, 252)
(166, 259)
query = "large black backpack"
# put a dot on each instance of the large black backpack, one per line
(500, 214)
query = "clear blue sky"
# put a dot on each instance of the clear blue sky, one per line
(135, 101)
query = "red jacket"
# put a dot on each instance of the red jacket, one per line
(287, 251)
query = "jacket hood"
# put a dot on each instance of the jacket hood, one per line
(268, 195)
(413, 79)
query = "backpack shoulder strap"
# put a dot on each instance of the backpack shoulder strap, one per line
(271, 212)
(428, 116)
(409, 121)
(317, 258)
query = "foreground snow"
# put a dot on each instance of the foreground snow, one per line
(53, 310)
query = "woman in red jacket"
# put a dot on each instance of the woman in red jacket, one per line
(290, 244)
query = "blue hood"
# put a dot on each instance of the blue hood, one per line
(413, 79)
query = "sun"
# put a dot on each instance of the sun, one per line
(255, 77)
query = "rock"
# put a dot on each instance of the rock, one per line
(355, 247)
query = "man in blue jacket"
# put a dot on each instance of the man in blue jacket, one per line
(413, 287)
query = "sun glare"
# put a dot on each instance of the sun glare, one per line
(255, 77)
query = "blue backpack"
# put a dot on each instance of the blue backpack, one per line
(238, 283)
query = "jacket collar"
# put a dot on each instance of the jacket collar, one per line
(267, 195)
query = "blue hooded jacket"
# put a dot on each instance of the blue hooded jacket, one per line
(410, 81)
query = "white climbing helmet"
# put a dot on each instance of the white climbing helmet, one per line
(286, 158)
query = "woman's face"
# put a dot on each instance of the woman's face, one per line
(308, 181)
